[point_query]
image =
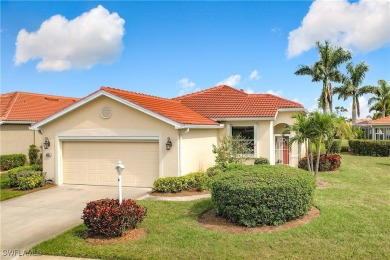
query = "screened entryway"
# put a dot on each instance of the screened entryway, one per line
(282, 150)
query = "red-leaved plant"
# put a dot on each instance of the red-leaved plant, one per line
(107, 218)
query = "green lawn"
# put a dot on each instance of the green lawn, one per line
(354, 223)
(5, 191)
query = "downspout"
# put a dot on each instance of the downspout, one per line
(180, 145)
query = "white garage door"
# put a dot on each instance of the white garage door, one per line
(93, 163)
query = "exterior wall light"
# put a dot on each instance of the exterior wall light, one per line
(168, 145)
(46, 144)
(119, 168)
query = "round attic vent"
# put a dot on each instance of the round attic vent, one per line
(105, 112)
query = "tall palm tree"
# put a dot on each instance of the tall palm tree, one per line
(381, 98)
(326, 70)
(350, 87)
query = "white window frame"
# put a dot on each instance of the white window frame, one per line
(230, 133)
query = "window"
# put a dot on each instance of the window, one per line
(248, 135)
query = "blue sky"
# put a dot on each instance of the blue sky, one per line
(171, 48)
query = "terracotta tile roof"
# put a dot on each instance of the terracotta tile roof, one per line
(227, 102)
(23, 106)
(168, 108)
(383, 120)
(362, 121)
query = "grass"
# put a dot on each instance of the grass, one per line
(6, 192)
(354, 223)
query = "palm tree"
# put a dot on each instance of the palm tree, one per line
(300, 128)
(326, 70)
(381, 97)
(350, 87)
(321, 128)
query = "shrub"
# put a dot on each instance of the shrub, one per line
(263, 195)
(261, 160)
(33, 155)
(232, 149)
(11, 161)
(344, 149)
(215, 170)
(169, 184)
(20, 171)
(108, 218)
(195, 180)
(330, 162)
(29, 180)
(335, 147)
(370, 147)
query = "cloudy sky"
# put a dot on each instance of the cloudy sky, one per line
(173, 48)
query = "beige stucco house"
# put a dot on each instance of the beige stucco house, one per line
(158, 137)
(20, 110)
(378, 129)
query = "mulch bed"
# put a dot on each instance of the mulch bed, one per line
(129, 235)
(184, 193)
(211, 221)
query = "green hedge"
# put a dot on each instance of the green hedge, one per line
(10, 161)
(22, 171)
(370, 147)
(263, 195)
(30, 180)
(261, 160)
(335, 147)
(195, 180)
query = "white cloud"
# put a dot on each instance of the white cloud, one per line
(231, 81)
(254, 75)
(250, 91)
(186, 86)
(277, 93)
(363, 26)
(91, 38)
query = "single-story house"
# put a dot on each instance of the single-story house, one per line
(158, 137)
(20, 110)
(378, 129)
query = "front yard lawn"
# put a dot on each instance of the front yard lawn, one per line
(6, 192)
(354, 223)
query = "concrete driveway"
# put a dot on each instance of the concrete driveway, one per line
(36, 217)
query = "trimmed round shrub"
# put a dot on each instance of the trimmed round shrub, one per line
(108, 218)
(196, 180)
(335, 147)
(261, 160)
(266, 195)
(330, 162)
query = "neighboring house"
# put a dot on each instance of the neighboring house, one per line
(378, 129)
(158, 137)
(20, 110)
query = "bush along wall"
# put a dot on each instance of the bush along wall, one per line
(370, 147)
(11, 161)
(330, 162)
(26, 177)
(263, 195)
(195, 180)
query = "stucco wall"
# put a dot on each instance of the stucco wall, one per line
(16, 139)
(196, 149)
(124, 121)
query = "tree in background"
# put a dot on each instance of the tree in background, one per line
(326, 70)
(381, 98)
(351, 87)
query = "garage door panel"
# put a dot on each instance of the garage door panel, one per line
(94, 163)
